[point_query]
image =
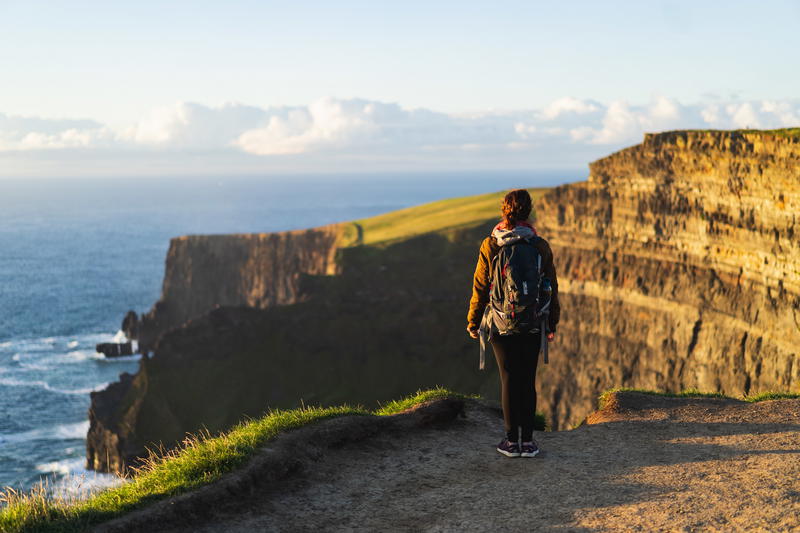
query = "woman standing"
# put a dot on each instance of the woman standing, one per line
(517, 354)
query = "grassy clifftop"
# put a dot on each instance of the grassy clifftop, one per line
(444, 214)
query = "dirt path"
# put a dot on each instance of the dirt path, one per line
(643, 464)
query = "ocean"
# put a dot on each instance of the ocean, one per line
(77, 254)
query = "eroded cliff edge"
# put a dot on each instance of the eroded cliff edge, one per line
(678, 263)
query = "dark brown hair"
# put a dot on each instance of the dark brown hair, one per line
(516, 207)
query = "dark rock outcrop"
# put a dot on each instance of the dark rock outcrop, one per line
(110, 446)
(130, 325)
(114, 349)
(678, 263)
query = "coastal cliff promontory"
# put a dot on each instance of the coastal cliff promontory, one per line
(259, 270)
(678, 262)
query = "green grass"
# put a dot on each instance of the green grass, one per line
(694, 393)
(765, 396)
(444, 214)
(791, 133)
(200, 461)
(439, 393)
(396, 406)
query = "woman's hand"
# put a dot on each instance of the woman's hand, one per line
(473, 332)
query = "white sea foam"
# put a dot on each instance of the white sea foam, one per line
(67, 466)
(25, 364)
(119, 337)
(78, 356)
(73, 480)
(121, 358)
(75, 430)
(13, 382)
(34, 366)
(86, 390)
(66, 341)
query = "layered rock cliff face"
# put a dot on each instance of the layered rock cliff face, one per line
(259, 270)
(678, 262)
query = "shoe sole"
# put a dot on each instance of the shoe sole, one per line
(529, 454)
(508, 454)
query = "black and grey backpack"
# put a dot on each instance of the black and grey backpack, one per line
(519, 294)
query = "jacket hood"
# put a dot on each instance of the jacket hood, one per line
(504, 237)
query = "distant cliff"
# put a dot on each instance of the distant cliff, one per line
(678, 262)
(253, 270)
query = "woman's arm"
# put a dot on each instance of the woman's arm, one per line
(480, 288)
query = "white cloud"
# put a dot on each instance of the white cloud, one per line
(567, 105)
(31, 133)
(357, 134)
(190, 125)
(743, 115)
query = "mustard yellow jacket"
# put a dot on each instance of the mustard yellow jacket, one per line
(483, 277)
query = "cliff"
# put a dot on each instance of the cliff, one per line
(260, 270)
(678, 265)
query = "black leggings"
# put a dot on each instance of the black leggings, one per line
(517, 357)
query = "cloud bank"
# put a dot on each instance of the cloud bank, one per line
(357, 134)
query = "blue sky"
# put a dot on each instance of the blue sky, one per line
(118, 69)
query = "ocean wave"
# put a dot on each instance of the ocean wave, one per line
(66, 341)
(44, 361)
(78, 356)
(75, 430)
(13, 382)
(67, 466)
(73, 480)
(34, 366)
(121, 358)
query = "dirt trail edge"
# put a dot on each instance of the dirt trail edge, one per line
(643, 463)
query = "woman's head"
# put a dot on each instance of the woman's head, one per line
(516, 207)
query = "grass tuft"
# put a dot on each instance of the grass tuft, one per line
(420, 397)
(771, 395)
(602, 400)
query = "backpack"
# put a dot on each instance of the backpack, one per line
(519, 295)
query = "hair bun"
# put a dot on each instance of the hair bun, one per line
(516, 207)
